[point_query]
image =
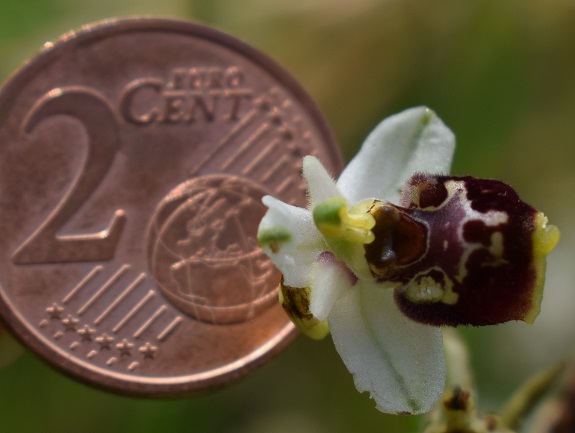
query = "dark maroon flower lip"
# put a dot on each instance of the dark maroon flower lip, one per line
(462, 251)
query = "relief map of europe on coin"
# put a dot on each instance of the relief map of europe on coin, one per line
(133, 158)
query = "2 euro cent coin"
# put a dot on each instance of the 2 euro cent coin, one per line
(133, 158)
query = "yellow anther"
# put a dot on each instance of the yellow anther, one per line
(335, 220)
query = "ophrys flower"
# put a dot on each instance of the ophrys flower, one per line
(390, 249)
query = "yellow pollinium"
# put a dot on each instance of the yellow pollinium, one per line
(335, 220)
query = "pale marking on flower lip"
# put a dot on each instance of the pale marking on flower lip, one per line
(457, 191)
(496, 249)
(423, 291)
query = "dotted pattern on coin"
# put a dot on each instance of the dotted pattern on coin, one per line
(133, 158)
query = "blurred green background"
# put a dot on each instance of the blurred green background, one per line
(500, 74)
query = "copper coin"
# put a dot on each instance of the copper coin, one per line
(133, 158)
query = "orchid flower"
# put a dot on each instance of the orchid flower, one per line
(395, 249)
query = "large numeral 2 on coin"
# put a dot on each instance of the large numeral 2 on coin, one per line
(99, 121)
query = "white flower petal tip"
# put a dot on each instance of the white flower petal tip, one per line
(399, 362)
(415, 140)
(320, 185)
(296, 303)
(289, 237)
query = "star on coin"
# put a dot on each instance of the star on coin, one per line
(55, 311)
(125, 347)
(148, 350)
(70, 323)
(86, 333)
(105, 341)
(264, 104)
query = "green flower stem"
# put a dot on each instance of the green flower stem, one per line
(456, 411)
(459, 372)
(529, 394)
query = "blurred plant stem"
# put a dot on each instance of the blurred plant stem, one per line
(529, 394)
(557, 414)
(456, 411)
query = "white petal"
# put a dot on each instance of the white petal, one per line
(398, 361)
(320, 185)
(415, 140)
(295, 257)
(332, 280)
